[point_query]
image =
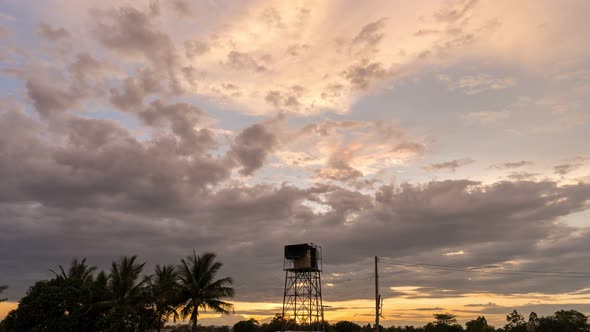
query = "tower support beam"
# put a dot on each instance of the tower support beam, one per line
(302, 298)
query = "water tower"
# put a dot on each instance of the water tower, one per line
(302, 300)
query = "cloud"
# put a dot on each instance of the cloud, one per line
(523, 176)
(432, 309)
(50, 99)
(372, 33)
(512, 164)
(450, 165)
(472, 85)
(563, 169)
(98, 158)
(135, 89)
(100, 185)
(132, 33)
(486, 117)
(86, 67)
(338, 168)
(252, 146)
(50, 33)
(485, 305)
(195, 48)
(362, 75)
(347, 150)
(182, 120)
(129, 31)
(243, 61)
(331, 68)
(411, 147)
(160, 176)
(182, 8)
(454, 11)
(454, 253)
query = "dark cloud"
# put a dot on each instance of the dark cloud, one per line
(512, 164)
(364, 73)
(426, 32)
(563, 169)
(181, 119)
(182, 8)
(287, 98)
(328, 127)
(450, 165)
(371, 34)
(133, 33)
(252, 146)
(53, 94)
(484, 305)
(96, 164)
(272, 17)
(244, 61)
(129, 31)
(5, 32)
(453, 12)
(544, 309)
(76, 186)
(452, 31)
(296, 50)
(338, 170)
(102, 193)
(48, 98)
(195, 48)
(410, 147)
(85, 67)
(52, 33)
(135, 89)
(522, 176)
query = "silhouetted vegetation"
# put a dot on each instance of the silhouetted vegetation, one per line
(561, 321)
(78, 299)
(2, 288)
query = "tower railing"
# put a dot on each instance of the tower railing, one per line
(302, 298)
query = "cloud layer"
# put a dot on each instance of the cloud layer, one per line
(414, 133)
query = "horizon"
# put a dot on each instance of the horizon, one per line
(450, 138)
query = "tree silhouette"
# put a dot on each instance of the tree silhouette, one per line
(564, 320)
(347, 326)
(164, 291)
(200, 290)
(77, 271)
(445, 319)
(2, 289)
(127, 296)
(533, 324)
(515, 322)
(480, 324)
(250, 325)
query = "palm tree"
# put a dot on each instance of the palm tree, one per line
(127, 295)
(2, 288)
(199, 289)
(79, 271)
(164, 289)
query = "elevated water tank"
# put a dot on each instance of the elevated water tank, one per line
(303, 257)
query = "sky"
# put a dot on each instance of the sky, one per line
(434, 132)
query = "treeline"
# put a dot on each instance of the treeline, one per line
(122, 299)
(561, 321)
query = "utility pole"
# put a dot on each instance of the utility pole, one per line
(377, 297)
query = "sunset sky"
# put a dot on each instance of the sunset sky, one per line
(435, 132)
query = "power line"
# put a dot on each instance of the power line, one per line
(485, 270)
(484, 267)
